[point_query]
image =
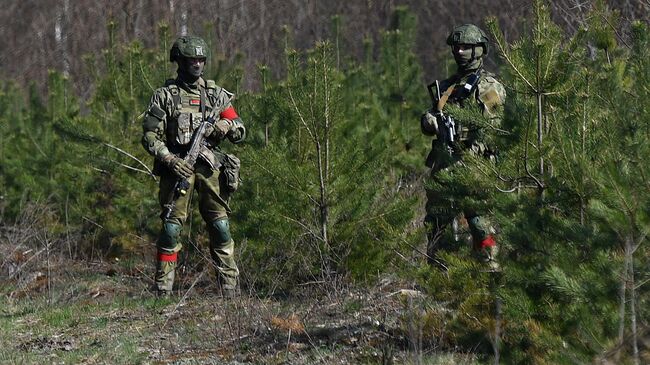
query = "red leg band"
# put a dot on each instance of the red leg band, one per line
(167, 257)
(488, 242)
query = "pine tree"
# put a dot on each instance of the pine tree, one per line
(326, 217)
(623, 196)
(561, 261)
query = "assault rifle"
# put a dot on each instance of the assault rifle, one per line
(447, 128)
(182, 185)
(198, 142)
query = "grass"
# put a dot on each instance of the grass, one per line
(92, 318)
(33, 331)
(105, 315)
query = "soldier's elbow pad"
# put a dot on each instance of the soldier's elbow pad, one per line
(149, 144)
(238, 132)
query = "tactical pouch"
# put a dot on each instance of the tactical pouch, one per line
(184, 129)
(209, 156)
(231, 166)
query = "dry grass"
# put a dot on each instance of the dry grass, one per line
(58, 309)
(103, 313)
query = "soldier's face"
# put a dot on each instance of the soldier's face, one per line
(193, 66)
(462, 48)
(462, 53)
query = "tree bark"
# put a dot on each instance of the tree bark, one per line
(622, 295)
(629, 252)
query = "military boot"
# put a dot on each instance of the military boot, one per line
(228, 291)
(165, 271)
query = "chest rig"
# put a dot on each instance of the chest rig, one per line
(459, 91)
(187, 114)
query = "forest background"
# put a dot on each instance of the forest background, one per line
(333, 176)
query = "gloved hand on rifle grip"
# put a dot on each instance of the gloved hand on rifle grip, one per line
(179, 166)
(429, 124)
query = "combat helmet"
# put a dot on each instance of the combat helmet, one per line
(188, 46)
(469, 34)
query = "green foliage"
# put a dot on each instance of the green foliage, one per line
(325, 215)
(385, 96)
(321, 196)
(330, 174)
(569, 192)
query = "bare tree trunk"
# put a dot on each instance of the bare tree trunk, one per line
(583, 151)
(49, 270)
(324, 168)
(621, 306)
(60, 36)
(629, 252)
(540, 132)
(183, 25)
(496, 343)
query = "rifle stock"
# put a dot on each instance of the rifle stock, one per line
(446, 124)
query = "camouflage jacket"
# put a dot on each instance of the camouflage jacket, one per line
(488, 96)
(174, 113)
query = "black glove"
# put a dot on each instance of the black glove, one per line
(429, 124)
(179, 166)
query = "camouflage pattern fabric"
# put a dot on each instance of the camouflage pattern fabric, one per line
(168, 126)
(489, 96)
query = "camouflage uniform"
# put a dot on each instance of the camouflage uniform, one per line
(470, 86)
(174, 112)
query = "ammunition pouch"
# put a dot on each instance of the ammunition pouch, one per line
(182, 128)
(230, 166)
(207, 155)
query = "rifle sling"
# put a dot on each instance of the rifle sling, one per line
(202, 102)
(445, 96)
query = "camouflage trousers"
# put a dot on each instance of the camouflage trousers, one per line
(213, 206)
(444, 229)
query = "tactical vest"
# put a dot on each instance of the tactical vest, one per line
(187, 116)
(469, 137)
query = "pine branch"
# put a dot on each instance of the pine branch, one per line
(499, 39)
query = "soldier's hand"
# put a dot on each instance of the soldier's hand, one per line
(429, 124)
(179, 166)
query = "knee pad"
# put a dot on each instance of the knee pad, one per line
(169, 236)
(221, 231)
